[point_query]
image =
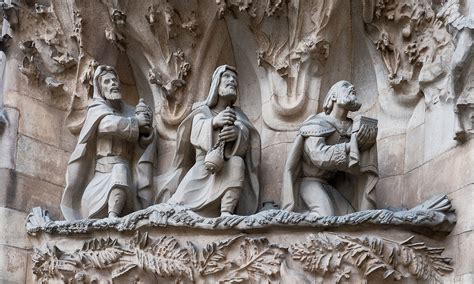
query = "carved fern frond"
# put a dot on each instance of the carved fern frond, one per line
(422, 261)
(368, 256)
(334, 254)
(214, 256)
(165, 258)
(101, 253)
(260, 261)
(319, 254)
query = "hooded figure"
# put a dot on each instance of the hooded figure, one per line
(100, 179)
(327, 172)
(234, 188)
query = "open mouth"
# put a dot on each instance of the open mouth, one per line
(115, 90)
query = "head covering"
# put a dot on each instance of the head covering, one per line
(335, 91)
(213, 96)
(99, 72)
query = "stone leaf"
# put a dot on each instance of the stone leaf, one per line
(214, 256)
(259, 262)
(163, 257)
(101, 253)
(320, 254)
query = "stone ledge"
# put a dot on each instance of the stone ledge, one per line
(434, 216)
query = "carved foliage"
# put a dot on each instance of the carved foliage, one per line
(410, 38)
(341, 255)
(259, 262)
(334, 257)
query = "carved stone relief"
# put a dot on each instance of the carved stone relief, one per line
(122, 136)
(422, 45)
(293, 45)
(198, 217)
(149, 254)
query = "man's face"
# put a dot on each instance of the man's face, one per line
(348, 99)
(228, 85)
(110, 87)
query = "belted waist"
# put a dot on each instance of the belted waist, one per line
(105, 164)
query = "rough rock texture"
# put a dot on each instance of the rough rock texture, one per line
(410, 61)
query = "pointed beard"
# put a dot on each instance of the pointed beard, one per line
(112, 96)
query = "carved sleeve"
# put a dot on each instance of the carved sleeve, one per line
(202, 133)
(118, 126)
(330, 157)
(241, 144)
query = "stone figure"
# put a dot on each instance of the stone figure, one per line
(218, 153)
(462, 28)
(332, 166)
(110, 170)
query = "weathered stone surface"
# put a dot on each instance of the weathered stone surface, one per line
(389, 192)
(13, 233)
(465, 278)
(414, 148)
(273, 173)
(13, 263)
(450, 171)
(37, 120)
(418, 116)
(411, 188)
(438, 120)
(22, 192)
(45, 166)
(464, 249)
(462, 200)
(8, 140)
(392, 162)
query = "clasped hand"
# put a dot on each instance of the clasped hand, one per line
(144, 119)
(225, 117)
(225, 120)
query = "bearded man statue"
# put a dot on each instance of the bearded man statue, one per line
(110, 171)
(216, 164)
(331, 168)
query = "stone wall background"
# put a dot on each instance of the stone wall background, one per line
(417, 156)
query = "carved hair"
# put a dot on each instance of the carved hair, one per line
(335, 91)
(213, 96)
(99, 72)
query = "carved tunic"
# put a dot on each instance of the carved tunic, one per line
(201, 190)
(114, 133)
(114, 151)
(322, 158)
(317, 174)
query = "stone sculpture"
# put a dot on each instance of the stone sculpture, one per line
(332, 165)
(463, 29)
(100, 179)
(218, 151)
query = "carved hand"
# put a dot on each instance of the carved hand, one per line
(225, 117)
(229, 133)
(366, 137)
(143, 118)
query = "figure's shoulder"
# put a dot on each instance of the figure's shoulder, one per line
(316, 125)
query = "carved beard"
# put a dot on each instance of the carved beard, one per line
(229, 91)
(113, 95)
(350, 103)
